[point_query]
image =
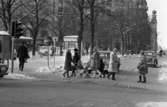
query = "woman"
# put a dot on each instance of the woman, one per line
(143, 69)
(113, 64)
(67, 65)
(96, 62)
(75, 60)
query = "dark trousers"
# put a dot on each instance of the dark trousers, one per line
(113, 75)
(21, 64)
(142, 78)
(74, 68)
(66, 74)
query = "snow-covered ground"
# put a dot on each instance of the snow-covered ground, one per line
(152, 104)
(18, 76)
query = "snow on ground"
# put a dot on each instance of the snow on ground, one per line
(152, 104)
(164, 63)
(18, 76)
(163, 73)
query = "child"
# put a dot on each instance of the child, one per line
(143, 69)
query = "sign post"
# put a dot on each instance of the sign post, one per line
(12, 55)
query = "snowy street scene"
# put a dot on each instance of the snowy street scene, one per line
(83, 53)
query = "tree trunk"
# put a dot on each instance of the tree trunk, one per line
(34, 45)
(92, 21)
(81, 27)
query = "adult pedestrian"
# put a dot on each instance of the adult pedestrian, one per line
(143, 69)
(76, 59)
(113, 64)
(67, 65)
(96, 61)
(23, 55)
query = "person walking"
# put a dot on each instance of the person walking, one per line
(67, 65)
(143, 69)
(96, 61)
(113, 64)
(22, 54)
(75, 61)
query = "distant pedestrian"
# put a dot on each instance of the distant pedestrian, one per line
(143, 69)
(161, 53)
(96, 61)
(101, 69)
(23, 55)
(113, 64)
(67, 65)
(75, 60)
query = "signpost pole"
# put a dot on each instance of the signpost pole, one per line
(12, 53)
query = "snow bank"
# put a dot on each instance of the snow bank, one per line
(43, 70)
(46, 69)
(56, 71)
(18, 76)
(152, 104)
(164, 63)
(163, 75)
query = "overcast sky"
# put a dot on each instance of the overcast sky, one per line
(161, 7)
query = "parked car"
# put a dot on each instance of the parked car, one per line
(3, 70)
(151, 57)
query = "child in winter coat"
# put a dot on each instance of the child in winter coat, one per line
(143, 69)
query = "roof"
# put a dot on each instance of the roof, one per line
(4, 33)
(72, 36)
(24, 37)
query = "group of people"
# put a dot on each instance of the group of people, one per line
(71, 63)
(97, 65)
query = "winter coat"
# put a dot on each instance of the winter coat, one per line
(142, 66)
(113, 63)
(102, 65)
(76, 59)
(23, 53)
(68, 61)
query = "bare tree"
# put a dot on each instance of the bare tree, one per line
(38, 11)
(80, 6)
(7, 11)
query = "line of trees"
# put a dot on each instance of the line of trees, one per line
(97, 25)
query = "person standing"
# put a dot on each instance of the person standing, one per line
(22, 54)
(67, 65)
(143, 69)
(113, 64)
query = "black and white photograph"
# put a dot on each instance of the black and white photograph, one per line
(83, 53)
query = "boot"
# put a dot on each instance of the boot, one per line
(144, 79)
(139, 79)
(113, 76)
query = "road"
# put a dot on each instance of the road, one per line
(50, 91)
(30, 93)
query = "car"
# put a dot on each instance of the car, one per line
(151, 58)
(3, 70)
